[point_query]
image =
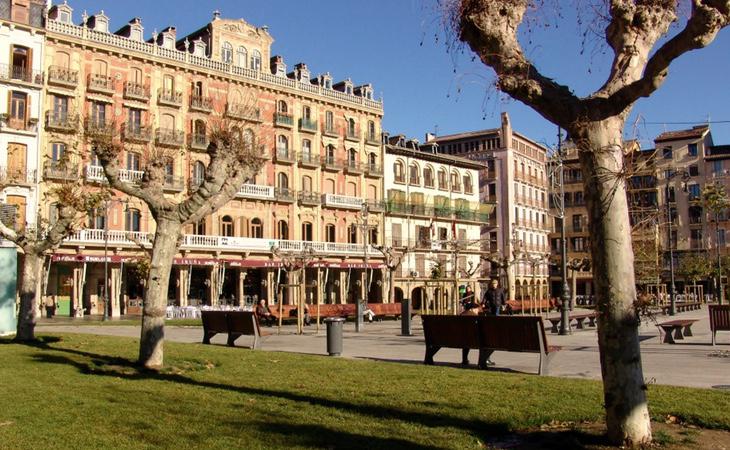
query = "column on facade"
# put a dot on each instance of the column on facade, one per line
(213, 285)
(77, 300)
(343, 286)
(182, 285)
(115, 284)
(240, 290)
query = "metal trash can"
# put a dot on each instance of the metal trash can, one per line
(334, 335)
(405, 317)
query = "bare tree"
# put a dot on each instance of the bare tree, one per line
(235, 157)
(392, 261)
(596, 124)
(71, 202)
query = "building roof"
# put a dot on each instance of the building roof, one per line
(435, 157)
(717, 152)
(465, 135)
(693, 133)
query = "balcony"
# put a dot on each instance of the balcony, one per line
(201, 104)
(101, 84)
(266, 245)
(442, 211)
(243, 112)
(331, 164)
(309, 160)
(283, 120)
(95, 174)
(18, 124)
(135, 91)
(170, 98)
(169, 138)
(173, 184)
(21, 74)
(136, 133)
(96, 127)
(376, 206)
(62, 76)
(57, 170)
(285, 195)
(130, 176)
(285, 156)
(373, 170)
(256, 192)
(62, 122)
(309, 199)
(352, 135)
(372, 139)
(308, 125)
(353, 167)
(331, 132)
(17, 176)
(342, 201)
(198, 141)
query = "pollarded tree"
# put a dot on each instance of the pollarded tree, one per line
(635, 32)
(235, 156)
(70, 203)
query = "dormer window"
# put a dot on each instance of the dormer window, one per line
(199, 48)
(64, 16)
(348, 90)
(328, 83)
(135, 34)
(227, 53)
(242, 57)
(168, 41)
(101, 23)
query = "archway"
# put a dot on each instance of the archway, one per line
(417, 298)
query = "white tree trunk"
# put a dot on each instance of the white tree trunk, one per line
(155, 296)
(601, 157)
(31, 264)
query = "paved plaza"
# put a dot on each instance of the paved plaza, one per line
(691, 362)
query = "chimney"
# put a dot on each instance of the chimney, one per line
(430, 137)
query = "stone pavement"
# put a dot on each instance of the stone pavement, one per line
(692, 362)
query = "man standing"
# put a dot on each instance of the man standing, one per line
(494, 299)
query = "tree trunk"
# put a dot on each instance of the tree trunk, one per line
(391, 285)
(28, 297)
(601, 157)
(155, 297)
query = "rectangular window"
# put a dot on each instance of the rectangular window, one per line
(667, 153)
(396, 235)
(98, 114)
(694, 191)
(577, 223)
(694, 170)
(132, 161)
(135, 120)
(692, 149)
(717, 167)
(307, 231)
(695, 239)
(721, 237)
(424, 236)
(18, 109)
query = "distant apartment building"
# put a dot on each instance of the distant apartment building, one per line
(161, 90)
(434, 214)
(22, 38)
(514, 176)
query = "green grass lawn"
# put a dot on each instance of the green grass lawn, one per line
(80, 391)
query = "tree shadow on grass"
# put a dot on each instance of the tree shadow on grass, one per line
(315, 435)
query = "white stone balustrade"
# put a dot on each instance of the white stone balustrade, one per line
(342, 201)
(256, 191)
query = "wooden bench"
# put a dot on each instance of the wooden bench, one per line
(488, 334)
(234, 323)
(719, 319)
(385, 309)
(679, 328)
(682, 307)
(579, 320)
(517, 306)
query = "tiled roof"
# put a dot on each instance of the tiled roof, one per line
(694, 132)
(469, 134)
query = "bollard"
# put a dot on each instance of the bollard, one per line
(334, 335)
(405, 317)
(358, 315)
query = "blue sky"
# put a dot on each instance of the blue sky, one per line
(398, 46)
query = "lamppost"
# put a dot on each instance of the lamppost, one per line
(365, 227)
(105, 292)
(685, 178)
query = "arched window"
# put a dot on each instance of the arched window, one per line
(329, 186)
(371, 131)
(199, 128)
(307, 233)
(227, 53)
(372, 159)
(443, 179)
(257, 228)
(133, 220)
(242, 56)
(256, 60)
(330, 154)
(167, 122)
(198, 173)
(168, 85)
(307, 149)
(137, 76)
(329, 233)
(398, 172)
(306, 113)
(351, 128)
(329, 122)
(352, 158)
(282, 145)
(352, 234)
(468, 188)
(282, 181)
(226, 226)
(414, 174)
(428, 177)
(282, 107)
(352, 189)
(282, 230)
(455, 181)
(100, 67)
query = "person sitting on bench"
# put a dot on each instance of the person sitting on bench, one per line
(264, 313)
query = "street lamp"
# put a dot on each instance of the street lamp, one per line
(105, 292)
(364, 213)
(685, 178)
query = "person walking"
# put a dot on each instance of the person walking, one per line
(494, 299)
